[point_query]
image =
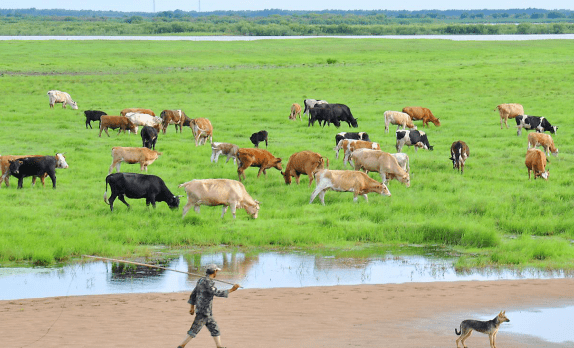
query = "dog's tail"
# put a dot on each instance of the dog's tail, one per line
(458, 333)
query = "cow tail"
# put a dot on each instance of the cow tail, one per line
(106, 192)
(326, 158)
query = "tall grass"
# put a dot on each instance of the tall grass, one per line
(243, 87)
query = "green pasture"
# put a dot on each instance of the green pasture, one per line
(492, 214)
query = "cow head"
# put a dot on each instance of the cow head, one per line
(553, 129)
(74, 105)
(354, 123)
(287, 177)
(277, 164)
(406, 179)
(436, 122)
(173, 202)
(61, 161)
(252, 210)
(15, 166)
(382, 189)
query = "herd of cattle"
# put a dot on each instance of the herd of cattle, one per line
(364, 154)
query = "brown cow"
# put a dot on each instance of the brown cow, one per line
(544, 140)
(304, 162)
(113, 122)
(256, 158)
(176, 117)
(5, 165)
(124, 112)
(420, 113)
(346, 181)
(202, 129)
(509, 111)
(459, 152)
(536, 162)
(382, 162)
(295, 110)
(131, 155)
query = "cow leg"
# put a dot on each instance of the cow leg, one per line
(186, 208)
(383, 177)
(229, 156)
(262, 169)
(317, 190)
(297, 177)
(21, 181)
(151, 200)
(111, 201)
(366, 198)
(123, 199)
(114, 163)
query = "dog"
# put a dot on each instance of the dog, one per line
(489, 327)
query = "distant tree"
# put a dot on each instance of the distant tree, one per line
(463, 15)
(537, 15)
(505, 15)
(555, 14)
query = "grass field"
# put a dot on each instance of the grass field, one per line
(492, 213)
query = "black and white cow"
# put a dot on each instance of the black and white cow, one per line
(323, 113)
(37, 166)
(540, 124)
(412, 138)
(93, 115)
(133, 185)
(258, 137)
(149, 137)
(351, 135)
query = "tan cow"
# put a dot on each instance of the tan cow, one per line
(420, 113)
(295, 110)
(131, 155)
(202, 129)
(509, 111)
(113, 122)
(399, 119)
(346, 181)
(459, 152)
(544, 140)
(382, 162)
(304, 162)
(175, 117)
(124, 112)
(227, 149)
(359, 144)
(61, 97)
(536, 162)
(212, 192)
(263, 159)
(5, 165)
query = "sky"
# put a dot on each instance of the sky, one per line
(237, 5)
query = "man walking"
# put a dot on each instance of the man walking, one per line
(201, 300)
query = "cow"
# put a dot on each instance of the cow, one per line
(544, 140)
(342, 144)
(420, 113)
(229, 150)
(310, 104)
(539, 123)
(202, 129)
(351, 135)
(37, 166)
(131, 155)
(382, 162)
(323, 113)
(124, 112)
(509, 111)
(145, 120)
(149, 137)
(61, 97)
(175, 117)
(412, 138)
(5, 166)
(258, 137)
(357, 144)
(213, 192)
(403, 161)
(136, 186)
(295, 110)
(113, 122)
(459, 152)
(346, 181)
(304, 162)
(398, 118)
(256, 158)
(93, 115)
(536, 162)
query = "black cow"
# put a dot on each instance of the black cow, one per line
(343, 114)
(351, 135)
(258, 137)
(539, 123)
(37, 167)
(149, 137)
(133, 185)
(322, 113)
(412, 138)
(93, 115)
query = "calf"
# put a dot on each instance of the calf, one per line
(114, 122)
(398, 118)
(459, 152)
(509, 111)
(132, 185)
(346, 181)
(383, 163)
(544, 140)
(229, 150)
(144, 120)
(359, 144)
(124, 112)
(202, 130)
(420, 113)
(536, 162)
(258, 137)
(351, 135)
(412, 138)
(93, 115)
(540, 124)
(295, 110)
(37, 166)
(256, 158)
(149, 137)
(61, 97)
(175, 117)
(131, 155)
(304, 162)
(213, 192)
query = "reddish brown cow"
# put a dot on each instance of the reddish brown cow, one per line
(124, 112)
(304, 162)
(202, 129)
(536, 162)
(420, 113)
(176, 117)
(256, 158)
(113, 122)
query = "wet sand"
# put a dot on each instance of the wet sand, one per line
(392, 315)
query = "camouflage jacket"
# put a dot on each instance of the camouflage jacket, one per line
(202, 296)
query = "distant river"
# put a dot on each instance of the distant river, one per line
(253, 38)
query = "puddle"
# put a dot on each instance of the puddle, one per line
(261, 270)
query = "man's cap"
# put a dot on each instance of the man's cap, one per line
(212, 268)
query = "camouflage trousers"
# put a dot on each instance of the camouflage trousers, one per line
(200, 321)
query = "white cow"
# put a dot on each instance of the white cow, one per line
(229, 150)
(145, 120)
(310, 103)
(61, 97)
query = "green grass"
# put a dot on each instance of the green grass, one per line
(490, 213)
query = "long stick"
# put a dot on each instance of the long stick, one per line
(152, 266)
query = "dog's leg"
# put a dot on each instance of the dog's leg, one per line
(465, 336)
(491, 339)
